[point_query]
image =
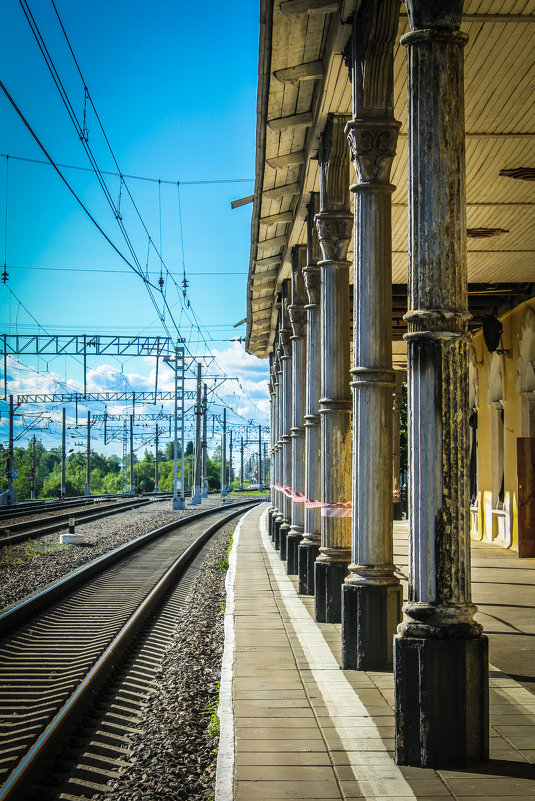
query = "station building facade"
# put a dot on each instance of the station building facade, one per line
(393, 239)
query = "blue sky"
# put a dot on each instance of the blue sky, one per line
(174, 85)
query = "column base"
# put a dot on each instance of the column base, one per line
(328, 580)
(283, 533)
(276, 533)
(307, 554)
(270, 524)
(441, 701)
(292, 546)
(370, 615)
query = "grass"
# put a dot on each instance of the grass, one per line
(211, 710)
(11, 555)
(223, 563)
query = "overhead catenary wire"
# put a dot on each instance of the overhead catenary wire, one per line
(82, 135)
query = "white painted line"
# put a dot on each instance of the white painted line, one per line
(368, 762)
(224, 783)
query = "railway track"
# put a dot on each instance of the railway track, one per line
(29, 529)
(53, 662)
(51, 506)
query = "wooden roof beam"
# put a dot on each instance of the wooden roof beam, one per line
(274, 219)
(274, 242)
(281, 191)
(287, 160)
(301, 72)
(304, 120)
(289, 7)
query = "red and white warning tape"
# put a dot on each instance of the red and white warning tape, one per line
(342, 509)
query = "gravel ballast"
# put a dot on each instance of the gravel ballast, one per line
(28, 567)
(174, 752)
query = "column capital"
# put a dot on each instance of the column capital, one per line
(313, 284)
(335, 229)
(372, 145)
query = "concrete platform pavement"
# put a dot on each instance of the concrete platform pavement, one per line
(295, 726)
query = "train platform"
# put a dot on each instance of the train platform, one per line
(295, 726)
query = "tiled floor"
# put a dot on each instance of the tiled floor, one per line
(304, 729)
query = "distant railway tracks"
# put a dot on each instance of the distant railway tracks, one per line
(17, 532)
(58, 647)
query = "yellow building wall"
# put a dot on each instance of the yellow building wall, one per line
(486, 521)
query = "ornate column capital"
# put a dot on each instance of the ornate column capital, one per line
(372, 146)
(335, 230)
(312, 284)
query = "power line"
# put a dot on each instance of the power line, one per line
(168, 181)
(118, 272)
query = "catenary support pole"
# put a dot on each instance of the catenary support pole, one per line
(441, 658)
(132, 482)
(204, 442)
(196, 492)
(63, 452)
(11, 488)
(224, 458)
(156, 474)
(334, 223)
(88, 457)
(32, 470)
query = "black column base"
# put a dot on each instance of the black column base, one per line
(442, 701)
(307, 553)
(370, 615)
(270, 524)
(284, 531)
(276, 532)
(292, 546)
(328, 580)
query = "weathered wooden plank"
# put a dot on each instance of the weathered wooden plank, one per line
(301, 72)
(281, 217)
(280, 191)
(303, 120)
(286, 159)
(274, 242)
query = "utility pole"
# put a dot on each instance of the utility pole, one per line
(266, 465)
(224, 458)
(88, 457)
(63, 454)
(32, 471)
(156, 476)
(132, 490)
(259, 457)
(196, 493)
(230, 464)
(178, 500)
(204, 444)
(12, 492)
(123, 466)
(241, 464)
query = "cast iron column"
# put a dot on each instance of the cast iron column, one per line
(372, 594)
(297, 432)
(441, 661)
(271, 385)
(309, 546)
(286, 359)
(278, 447)
(334, 231)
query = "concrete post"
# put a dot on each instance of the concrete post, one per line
(224, 458)
(11, 486)
(286, 359)
(297, 432)
(372, 594)
(334, 231)
(441, 661)
(309, 546)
